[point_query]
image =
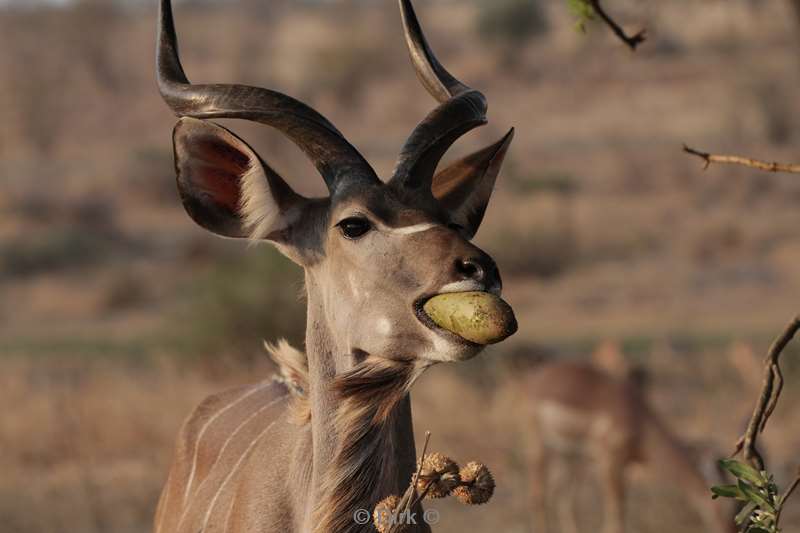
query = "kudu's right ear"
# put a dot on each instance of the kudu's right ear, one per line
(465, 186)
(226, 188)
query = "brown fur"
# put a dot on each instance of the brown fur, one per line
(222, 440)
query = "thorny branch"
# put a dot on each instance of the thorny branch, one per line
(770, 392)
(631, 40)
(744, 161)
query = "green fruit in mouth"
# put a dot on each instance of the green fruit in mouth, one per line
(478, 317)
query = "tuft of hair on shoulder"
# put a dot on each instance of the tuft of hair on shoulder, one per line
(293, 366)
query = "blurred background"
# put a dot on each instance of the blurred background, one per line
(118, 314)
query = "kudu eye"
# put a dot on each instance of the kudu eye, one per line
(354, 227)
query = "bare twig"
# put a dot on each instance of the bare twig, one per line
(415, 499)
(744, 161)
(785, 496)
(771, 388)
(410, 498)
(631, 40)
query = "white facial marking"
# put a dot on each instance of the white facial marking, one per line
(408, 230)
(384, 326)
(469, 285)
(443, 350)
(462, 286)
(352, 278)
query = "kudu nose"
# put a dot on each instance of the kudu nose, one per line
(470, 269)
(479, 268)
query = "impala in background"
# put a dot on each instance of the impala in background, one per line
(584, 419)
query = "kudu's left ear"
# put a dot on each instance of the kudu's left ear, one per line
(464, 187)
(226, 188)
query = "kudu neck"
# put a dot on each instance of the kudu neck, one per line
(337, 420)
(326, 360)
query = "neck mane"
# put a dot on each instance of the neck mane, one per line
(360, 417)
(375, 453)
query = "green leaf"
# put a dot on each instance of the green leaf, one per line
(743, 471)
(758, 530)
(745, 513)
(756, 496)
(727, 491)
(582, 9)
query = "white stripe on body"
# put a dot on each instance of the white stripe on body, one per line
(232, 473)
(222, 451)
(203, 431)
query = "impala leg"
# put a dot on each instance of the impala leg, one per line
(612, 480)
(539, 487)
(564, 488)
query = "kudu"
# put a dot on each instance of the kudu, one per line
(336, 435)
(583, 418)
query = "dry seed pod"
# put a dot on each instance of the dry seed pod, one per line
(438, 475)
(477, 484)
(382, 515)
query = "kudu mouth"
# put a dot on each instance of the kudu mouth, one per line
(427, 321)
(473, 318)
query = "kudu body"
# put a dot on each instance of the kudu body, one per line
(335, 435)
(582, 418)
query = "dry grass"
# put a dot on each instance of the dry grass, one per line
(87, 443)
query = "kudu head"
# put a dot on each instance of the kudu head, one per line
(373, 251)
